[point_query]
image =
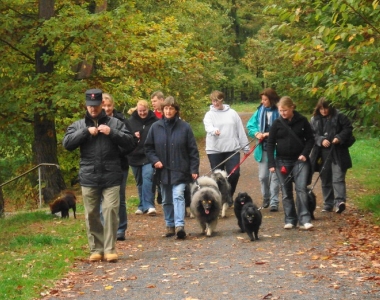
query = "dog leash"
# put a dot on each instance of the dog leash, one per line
(228, 158)
(244, 158)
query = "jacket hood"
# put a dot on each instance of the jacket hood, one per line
(225, 108)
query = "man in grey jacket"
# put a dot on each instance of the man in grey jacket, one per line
(100, 139)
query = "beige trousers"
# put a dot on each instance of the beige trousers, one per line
(101, 238)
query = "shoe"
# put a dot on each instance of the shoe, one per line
(139, 212)
(151, 211)
(95, 257)
(327, 209)
(340, 208)
(265, 203)
(306, 226)
(289, 226)
(273, 208)
(120, 237)
(180, 232)
(111, 257)
(170, 231)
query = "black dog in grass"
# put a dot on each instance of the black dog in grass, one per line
(63, 204)
(240, 200)
(251, 219)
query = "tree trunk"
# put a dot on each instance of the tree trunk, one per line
(45, 139)
(1, 203)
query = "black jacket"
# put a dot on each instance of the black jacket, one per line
(135, 123)
(172, 142)
(100, 154)
(287, 147)
(338, 126)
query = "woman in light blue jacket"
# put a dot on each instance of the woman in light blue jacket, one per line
(258, 126)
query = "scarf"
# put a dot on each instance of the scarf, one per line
(263, 117)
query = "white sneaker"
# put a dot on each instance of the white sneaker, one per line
(139, 212)
(307, 226)
(289, 226)
(151, 211)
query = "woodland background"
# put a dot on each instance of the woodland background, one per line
(52, 51)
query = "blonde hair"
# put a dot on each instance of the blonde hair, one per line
(286, 101)
(108, 97)
(217, 95)
(143, 103)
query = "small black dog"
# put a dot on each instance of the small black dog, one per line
(251, 218)
(63, 204)
(240, 200)
(311, 202)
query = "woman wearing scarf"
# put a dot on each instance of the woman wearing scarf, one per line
(258, 126)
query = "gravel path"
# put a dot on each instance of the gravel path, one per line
(283, 264)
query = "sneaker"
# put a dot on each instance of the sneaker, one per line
(340, 207)
(95, 257)
(151, 211)
(139, 212)
(265, 203)
(111, 257)
(170, 231)
(180, 232)
(306, 226)
(273, 208)
(327, 209)
(289, 226)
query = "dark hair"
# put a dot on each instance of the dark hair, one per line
(170, 101)
(323, 103)
(272, 96)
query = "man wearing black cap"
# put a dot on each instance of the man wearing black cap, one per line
(100, 139)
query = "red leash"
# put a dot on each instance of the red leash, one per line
(244, 158)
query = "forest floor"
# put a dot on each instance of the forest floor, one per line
(337, 259)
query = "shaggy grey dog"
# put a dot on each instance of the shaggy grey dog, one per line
(220, 176)
(206, 202)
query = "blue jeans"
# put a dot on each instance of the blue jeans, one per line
(173, 204)
(144, 180)
(270, 186)
(297, 172)
(216, 158)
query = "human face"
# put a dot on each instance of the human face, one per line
(156, 103)
(108, 107)
(286, 112)
(217, 104)
(324, 111)
(169, 112)
(142, 111)
(94, 111)
(265, 101)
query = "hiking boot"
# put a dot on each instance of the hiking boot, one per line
(95, 257)
(180, 232)
(340, 207)
(111, 257)
(170, 231)
(273, 208)
(266, 203)
(120, 236)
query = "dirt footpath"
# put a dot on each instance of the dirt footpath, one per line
(338, 259)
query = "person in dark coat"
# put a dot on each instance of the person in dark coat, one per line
(139, 124)
(100, 139)
(172, 149)
(330, 155)
(291, 137)
(109, 107)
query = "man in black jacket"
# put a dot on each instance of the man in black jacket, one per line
(100, 139)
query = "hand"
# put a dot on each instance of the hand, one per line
(137, 134)
(194, 176)
(104, 129)
(93, 130)
(326, 143)
(335, 141)
(158, 165)
(302, 158)
(217, 132)
(272, 170)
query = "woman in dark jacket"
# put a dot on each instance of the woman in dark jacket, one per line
(139, 124)
(291, 137)
(330, 155)
(171, 148)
